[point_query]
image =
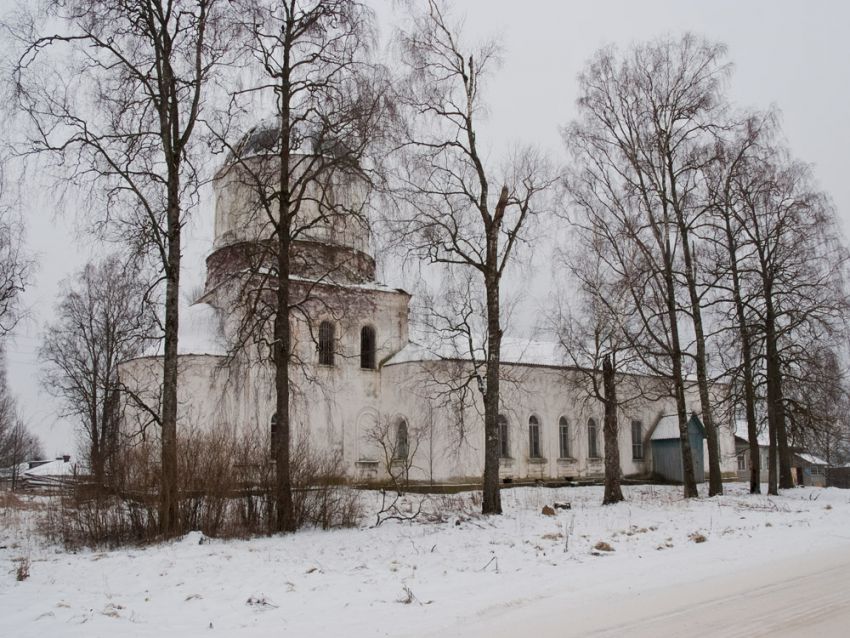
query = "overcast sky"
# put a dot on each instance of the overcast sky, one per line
(791, 55)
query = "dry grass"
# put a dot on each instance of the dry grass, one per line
(12, 501)
(22, 568)
(226, 491)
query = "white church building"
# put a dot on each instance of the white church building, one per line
(358, 379)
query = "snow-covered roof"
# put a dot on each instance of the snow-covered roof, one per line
(668, 427)
(199, 332)
(58, 467)
(366, 285)
(514, 350)
(811, 458)
(413, 352)
(741, 433)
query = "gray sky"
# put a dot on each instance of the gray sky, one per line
(792, 55)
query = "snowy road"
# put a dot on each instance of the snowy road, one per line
(807, 595)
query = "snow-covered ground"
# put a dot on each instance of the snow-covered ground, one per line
(409, 579)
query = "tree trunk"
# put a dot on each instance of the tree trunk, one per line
(96, 449)
(492, 500)
(689, 484)
(284, 520)
(747, 360)
(715, 480)
(168, 500)
(95, 457)
(772, 483)
(775, 404)
(613, 473)
(169, 120)
(750, 407)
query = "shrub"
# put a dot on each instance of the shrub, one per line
(226, 490)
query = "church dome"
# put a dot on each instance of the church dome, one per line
(264, 139)
(261, 139)
(334, 239)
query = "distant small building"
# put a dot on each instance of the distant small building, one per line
(809, 469)
(47, 474)
(742, 452)
(667, 448)
(806, 468)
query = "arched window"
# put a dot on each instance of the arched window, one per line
(402, 442)
(564, 437)
(274, 434)
(326, 343)
(592, 448)
(504, 443)
(534, 437)
(367, 348)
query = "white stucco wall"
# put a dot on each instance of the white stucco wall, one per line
(339, 407)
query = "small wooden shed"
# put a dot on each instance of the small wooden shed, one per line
(667, 448)
(809, 469)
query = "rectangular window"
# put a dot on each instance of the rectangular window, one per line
(326, 343)
(637, 440)
(742, 461)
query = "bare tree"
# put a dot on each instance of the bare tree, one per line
(779, 287)
(589, 331)
(647, 125)
(306, 175)
(17, 443)
(797, 290)
(15, 265)
(726, 238)
(115, 96)
(102, 319)
(816, 395)
(397, 444)
(448, 210)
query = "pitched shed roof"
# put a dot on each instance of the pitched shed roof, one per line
(668, 427)
(811, 458)
(741, 433)
(57, 467)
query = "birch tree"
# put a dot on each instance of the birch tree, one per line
(114, 93)
(796, 265)
(589, 330)
(17, 443)
(307, 169)
(646, 127)
(102, 319)
(454, 207)
(15, 269)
